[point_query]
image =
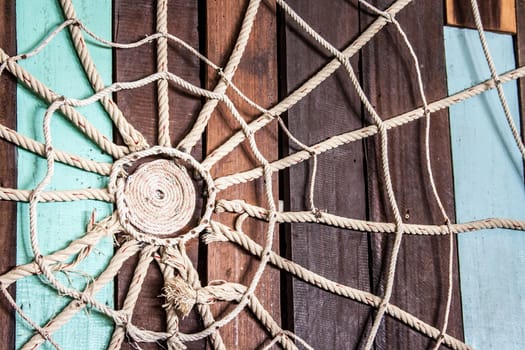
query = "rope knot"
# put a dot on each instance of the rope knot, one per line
(318, 213)
(74, 22)
(173, 257)
(180, 295)
(390, 18)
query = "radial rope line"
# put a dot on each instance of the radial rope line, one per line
(132, 138)
(177, 269)
(205, 113)
(162, 66)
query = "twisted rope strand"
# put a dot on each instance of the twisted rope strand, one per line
(365, 132)
(127, 250)
(306, 88)
(176, 259)
(496, 78)
(71, 114)
(38, 148)
(162, 66)
(131, 137)
(241, 207)
(11, 194)
(245, 242)
(205, 113)
(135, 286)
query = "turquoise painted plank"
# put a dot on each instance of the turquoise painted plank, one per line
(488, 182)
(59, 223)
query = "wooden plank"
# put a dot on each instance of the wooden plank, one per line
(58, 67)
(7, 168)
(140, 108)
(496, 15)
(520, 47)
(322, 319)
(256, 77)
(389, 79)
(488, 182)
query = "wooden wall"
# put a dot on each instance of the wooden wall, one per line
(7, 168)
(278, 59)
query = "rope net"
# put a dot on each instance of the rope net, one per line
(154, 196)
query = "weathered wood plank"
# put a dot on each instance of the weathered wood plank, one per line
(7, 168)
(488, 182)
(389, 79)
(324, 320)
(496, 15)
(257, 77)
(520, 47)
(58, 67)
(140, 108)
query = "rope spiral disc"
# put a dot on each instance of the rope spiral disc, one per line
(160, 197)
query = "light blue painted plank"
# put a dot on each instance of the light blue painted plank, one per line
(488, 182)
(59, 223)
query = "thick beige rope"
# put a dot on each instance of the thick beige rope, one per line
(162, 66)
(127, 250)
(306, 88)
(183, 289)
(224, 233)
(496, 78)
(132, 138)
(241, 207)
(205, 113)
(145, 258)
(359, 134)
(72, 114)
(11, 194)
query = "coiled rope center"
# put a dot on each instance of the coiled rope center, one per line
(160, 197)
(156, 197)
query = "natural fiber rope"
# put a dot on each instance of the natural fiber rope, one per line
(205, 113)
(240, 207)
(224, 233)
(169, 174)
(72, 114)
(162, 66)
(131, 137)
(356, 135)
(11, 194)
(139, 275)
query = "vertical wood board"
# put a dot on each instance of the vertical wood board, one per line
(59, 223)
(323, 319)
(256, 76)
(520, 47)
(140, 108)
(488, 181)
(389, 79)
(496, 15)
(7, 168)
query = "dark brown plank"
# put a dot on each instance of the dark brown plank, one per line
(256, 77)
(7, 169)
(324, 320)
(520, 50)
(389, 80)
(496, 15)
(140, 108)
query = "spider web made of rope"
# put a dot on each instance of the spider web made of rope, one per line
(183, 289)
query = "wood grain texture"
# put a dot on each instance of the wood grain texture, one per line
(324, 320)
(496, 15)
(7, 168)
(488, 182)
(520, 55)
(58, 67)
(389, 80)
(256, 77)
(140, 108)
